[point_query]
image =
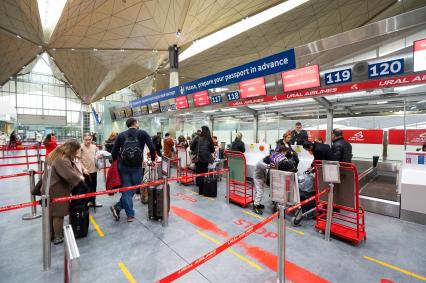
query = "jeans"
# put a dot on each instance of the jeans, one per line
(130, 176)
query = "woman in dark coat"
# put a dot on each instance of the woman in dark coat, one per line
(64, 177)
(202, 147)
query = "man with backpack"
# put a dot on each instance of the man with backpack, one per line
(128, 150)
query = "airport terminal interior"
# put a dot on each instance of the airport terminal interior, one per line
(213, 141)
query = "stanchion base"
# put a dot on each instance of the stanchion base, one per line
(29, 216)
(275, 280)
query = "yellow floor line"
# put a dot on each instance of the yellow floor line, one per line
(409, 273)
(231, 251)
(191, 192)
(260, 217)
(95, 225)
(126, 272)
(209, 198)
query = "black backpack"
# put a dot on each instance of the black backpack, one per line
(131, 152)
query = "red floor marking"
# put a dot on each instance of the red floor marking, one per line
(294, 272)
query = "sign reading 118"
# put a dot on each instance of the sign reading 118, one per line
(233, 95)
(341, 76)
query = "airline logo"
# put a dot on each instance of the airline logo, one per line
(357, 137)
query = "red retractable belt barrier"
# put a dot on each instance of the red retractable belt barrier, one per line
(18, 164)
(184, 270)
(14, 175)
(21, 156)
(18, 206)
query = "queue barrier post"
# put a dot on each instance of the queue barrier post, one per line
(227, 186)
(27, 159)
(165, 221)
(105, 171)
(39, 161)
(33, 214)
(46, 233)
(281, 244)
(329, 213)
(71, 257)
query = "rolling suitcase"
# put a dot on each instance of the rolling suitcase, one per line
(155, 198)
(79, 219)
(79, 212)
(210, 183)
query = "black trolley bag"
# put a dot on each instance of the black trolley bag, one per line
(79, 212)
(210, 184)
(155, 197)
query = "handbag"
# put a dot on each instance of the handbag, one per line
(195, 158)
(113, 179)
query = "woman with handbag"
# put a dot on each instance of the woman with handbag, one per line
(64, 177)
(202, 148)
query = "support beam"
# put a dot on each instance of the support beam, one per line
(247, 110)
(256, 127)
(329, 126)
(324, 102)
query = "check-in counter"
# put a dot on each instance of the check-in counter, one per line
(413, 187)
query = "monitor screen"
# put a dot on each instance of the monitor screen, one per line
(155, 107)
(144, 110)
(302, 78)
(253, 88)
(181, 102)
(201, 98)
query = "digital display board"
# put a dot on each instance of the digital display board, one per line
(155, 107)
(128, 112)
(181, 102)
(419, 55)
(253, 88)
(144, 110)
(122, 113)
(137, 112)
(201, 98)
(307, 77)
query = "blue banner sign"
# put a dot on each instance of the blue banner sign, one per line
(388, 68)
(96, 116)
(337, 77)
(276, 63)
(216, 99)
(233, 95)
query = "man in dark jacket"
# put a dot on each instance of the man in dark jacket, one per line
(156, 140)
(130, 175)
(299, 135)
(342, 150)
(238, 144)
(320, 151)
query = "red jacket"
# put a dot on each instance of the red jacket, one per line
(50, 146)
(113, 179)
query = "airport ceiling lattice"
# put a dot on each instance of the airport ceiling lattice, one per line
(101, 46)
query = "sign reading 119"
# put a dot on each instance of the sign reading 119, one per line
(341, 76)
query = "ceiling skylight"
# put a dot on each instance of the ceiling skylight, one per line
(238, 28)
(50, 12)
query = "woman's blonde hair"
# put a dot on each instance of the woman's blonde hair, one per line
(67, 150)
(239, 136)
(113, 135)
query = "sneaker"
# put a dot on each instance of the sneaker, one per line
(261, 206)
(115, 213)
(130, 219)
(58, 239)
(257, 209)
(98, 205)
(90, 204)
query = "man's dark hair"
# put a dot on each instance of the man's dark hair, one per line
(167, 134)
(338, 133)
(424, 147)
(308, 145)
(130, 122)
(298, 124)
(159, 133)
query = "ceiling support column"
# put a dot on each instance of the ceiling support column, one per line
(174, 65)
(329, 125)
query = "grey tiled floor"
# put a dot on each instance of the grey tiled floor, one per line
(151, 252)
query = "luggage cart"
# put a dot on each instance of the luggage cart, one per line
(240, 189)
(347, 220)
(182, 168)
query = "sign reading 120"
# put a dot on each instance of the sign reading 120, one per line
(387, 68)
(341, 76)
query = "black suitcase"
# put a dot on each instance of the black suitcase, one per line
(155, 202)
(79, 219)
(210, 186)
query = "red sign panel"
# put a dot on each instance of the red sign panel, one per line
(316, 134)
(201, 98)
(302, 78)
(419, 55)
(364, 136)
(414, 136)
(181, 102)
(322, 91)
(253, 88)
